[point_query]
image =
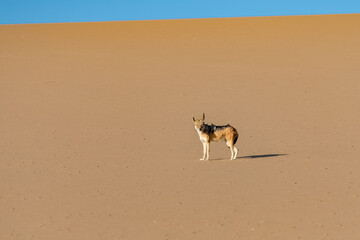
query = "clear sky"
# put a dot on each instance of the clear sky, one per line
(49, 11)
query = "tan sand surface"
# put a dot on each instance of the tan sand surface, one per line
(97, 141)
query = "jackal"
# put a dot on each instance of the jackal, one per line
(208, 133)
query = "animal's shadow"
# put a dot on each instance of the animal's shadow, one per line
(253, 156)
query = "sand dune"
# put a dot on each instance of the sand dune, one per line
(97, 140)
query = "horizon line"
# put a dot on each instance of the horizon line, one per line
(180, 19)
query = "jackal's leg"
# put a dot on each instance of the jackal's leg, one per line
(232, 152)
(236, 152)
(204, 151)
(231, 146)
(207, 150)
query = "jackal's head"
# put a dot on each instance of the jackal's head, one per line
(199, 122)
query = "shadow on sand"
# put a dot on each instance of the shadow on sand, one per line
(253, 156)
(263, 156)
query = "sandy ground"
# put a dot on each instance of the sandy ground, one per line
(97, 140)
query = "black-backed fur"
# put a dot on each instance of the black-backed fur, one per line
(210, 129)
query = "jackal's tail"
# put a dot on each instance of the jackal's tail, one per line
(236, 138)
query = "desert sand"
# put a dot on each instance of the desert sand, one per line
(97, 139)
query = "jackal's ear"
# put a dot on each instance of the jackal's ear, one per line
(193, 118)
(203, 117)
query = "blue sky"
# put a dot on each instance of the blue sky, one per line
(49, 11)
